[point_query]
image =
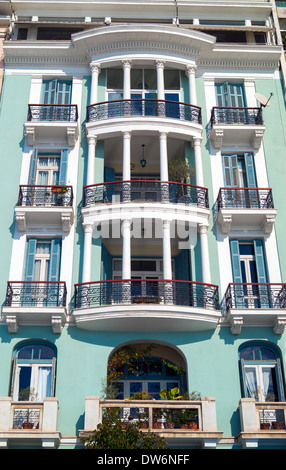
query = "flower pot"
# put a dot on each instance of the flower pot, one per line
(193, 425)
(59, 189)
(28, 425)
(277, 424)
(184, 426)
(143, 424)
(157, 425)
(264, 425)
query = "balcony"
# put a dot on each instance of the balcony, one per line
(46, 122)
(144, 304)
(241, 126)
(256, 305)
(44, 205)
(261, 421)
(156, 114)
(32, 421)
(35, 303)
(181, 422)
(107, 201)
(245, 207)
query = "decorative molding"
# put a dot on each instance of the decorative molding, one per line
(236, 324)
(224, 221)
(279, 326)
(257, 138)
(12, 324)
(238, 65)
(268, 224)
(217, 138)
(57, 325)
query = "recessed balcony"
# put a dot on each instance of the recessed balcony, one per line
(146, 304)
(256, 304)
(106, 201)
(192, 423)
(242, 126)
(35, 303)
(38, 204)
(245, 207)
(46, 122)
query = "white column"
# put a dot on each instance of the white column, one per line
(160, 79)
(167, 261)
(191, 74)
(95, 71)
(126, 172)
(126, 79)
(86, 268)
(206, 273)
(198, 161)
(164, 174)
(90, 160)
(126, 249)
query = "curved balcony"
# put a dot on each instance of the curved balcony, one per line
(256, 304)
(236, 125)
(145, 191)
(144, 108)
(58, 122)
(44, 204)
(252, 207)
(35, 303)
(141, 304)
(110, 201)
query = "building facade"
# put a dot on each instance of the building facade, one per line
(143, 164)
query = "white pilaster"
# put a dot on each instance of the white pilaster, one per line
(160, 79)
(191, 74)
(95, 71)
(86, 269)
(91, 160)
(206, 273)
(164, 174)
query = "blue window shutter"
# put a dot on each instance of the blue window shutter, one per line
(235, 258)
(33, 167)
(109, 174)
(230, 170)
(49, 92)
(250, 170)
(63, 167)
(236, 95)
(30, 259)
(54, 270)
(182, 266)
(260, 261)
(280, 381)
(220, 95)
(63, 92)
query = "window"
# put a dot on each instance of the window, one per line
(261, 373)
(48, 168)
(58, 93)
(249, 268)
(239, 172)
(148, 375)
(42, 260)
(230, 95)
(33, 374)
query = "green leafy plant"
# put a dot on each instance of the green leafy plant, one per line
(172, 394)
(111, 435)
(179, 170)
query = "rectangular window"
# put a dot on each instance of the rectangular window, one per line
(239, 170)
(48, 168)
(42, 260)
(230, 95)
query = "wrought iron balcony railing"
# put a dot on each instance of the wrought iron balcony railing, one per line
(146, 291)
(245, 116)
(45, 196)
(245, 198)
(36, 294)
(146, 191)
(144, 108)
(52, 112)
(256, 296)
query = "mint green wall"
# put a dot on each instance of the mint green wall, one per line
(274, 142)
(212, 359)
(13, 113)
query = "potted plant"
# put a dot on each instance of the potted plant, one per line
(27, 394)
(132, 165)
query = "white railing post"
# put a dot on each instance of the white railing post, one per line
(247, 411)
(5, 413)
(209, 422)
(50, 414)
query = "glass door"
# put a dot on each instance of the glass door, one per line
(261, 382)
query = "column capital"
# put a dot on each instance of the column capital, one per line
(95, 68)
(166, 223)
(126, 223)
(127, 134)
(91, 139)
(197, 141)
(163, 135)
(190, 70)
(203, 229)
(127, 63)
(88, 228)
(160, 64)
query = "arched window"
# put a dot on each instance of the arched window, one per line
(261, 372)
(33, 373)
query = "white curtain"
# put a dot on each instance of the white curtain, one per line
(267, 381)
(251, 383)
(44, 383)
